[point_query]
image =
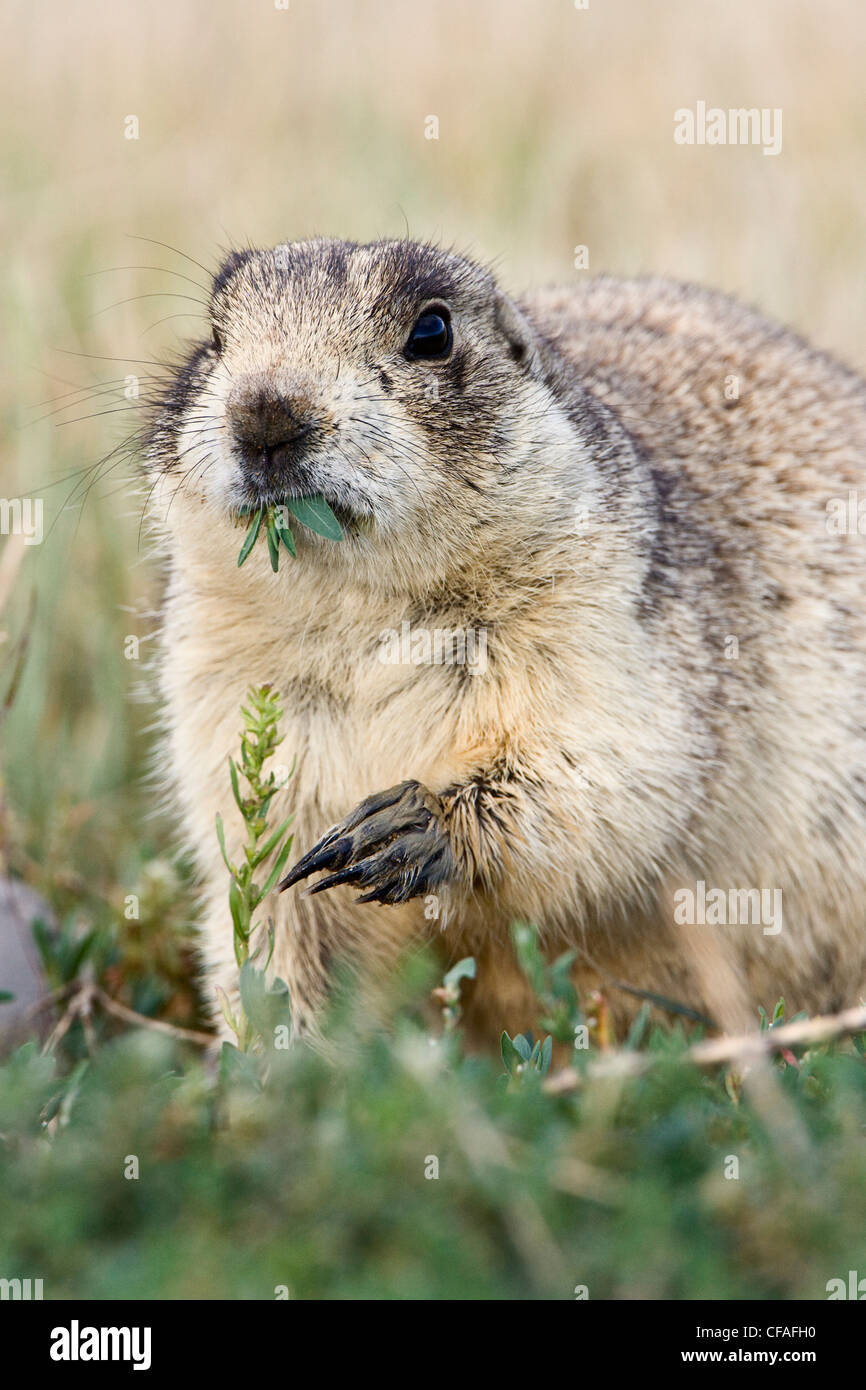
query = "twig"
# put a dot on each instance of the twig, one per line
(54, 996)
(713, 1051)
(79, 1001)
(158, 1025)
(80, 1005)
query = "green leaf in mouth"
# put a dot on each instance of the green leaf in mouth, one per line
(284, 533)
(312, 512)
(273, 544)
(315, 513)
(251, 536)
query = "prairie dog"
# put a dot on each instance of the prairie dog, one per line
(618, 493)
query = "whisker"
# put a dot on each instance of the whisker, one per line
(184, 314)
(162, 269)
(97, 414)
(74, 391)
(151, 294)
(168, 247)
(86, 392)
(98, 357)
(121, 453)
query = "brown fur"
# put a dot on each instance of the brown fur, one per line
(583, 487)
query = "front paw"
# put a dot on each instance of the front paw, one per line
(395, 845)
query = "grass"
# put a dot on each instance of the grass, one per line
(410, 1170)
(555, 130)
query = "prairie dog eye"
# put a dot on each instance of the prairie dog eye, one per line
(431, 335)
(216, 339)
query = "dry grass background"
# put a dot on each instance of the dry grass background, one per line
(258, 124)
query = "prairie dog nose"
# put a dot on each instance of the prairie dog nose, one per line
(268, 421)
(268, 416)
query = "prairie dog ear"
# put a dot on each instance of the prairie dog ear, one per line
(522, 340)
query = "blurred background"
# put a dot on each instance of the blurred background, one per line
(256, 124)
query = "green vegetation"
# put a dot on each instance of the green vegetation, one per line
(259, 740)
(407, 1169)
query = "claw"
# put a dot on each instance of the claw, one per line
(306, 862)
(391, 844)
(374, 827)
(380, 801)
(344, 876)
(327, 854)
(364, 871)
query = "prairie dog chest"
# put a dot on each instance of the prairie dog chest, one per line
(366, 703)
(362, 718)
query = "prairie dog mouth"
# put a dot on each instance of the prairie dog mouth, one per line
(281, 522)
(349, 516)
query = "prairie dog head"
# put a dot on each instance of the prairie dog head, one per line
(393, 378)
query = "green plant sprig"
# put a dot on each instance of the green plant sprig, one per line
(312, 512)
(259, 740)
